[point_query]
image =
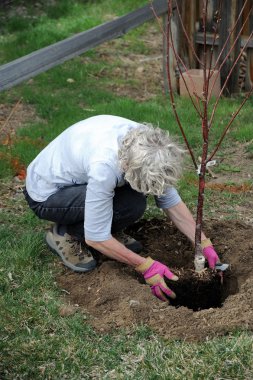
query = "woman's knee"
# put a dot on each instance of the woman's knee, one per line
(129, 203)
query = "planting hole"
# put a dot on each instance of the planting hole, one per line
(196, 291)
(203, 291)
(114, 296)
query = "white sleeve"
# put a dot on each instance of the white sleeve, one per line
(99, 202)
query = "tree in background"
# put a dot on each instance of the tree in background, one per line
(212, 68)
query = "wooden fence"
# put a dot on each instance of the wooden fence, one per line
(41, 60)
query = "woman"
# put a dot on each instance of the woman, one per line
(92, 181)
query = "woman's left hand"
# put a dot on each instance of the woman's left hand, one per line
(210, 253)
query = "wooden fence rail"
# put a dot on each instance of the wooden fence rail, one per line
(41, 60)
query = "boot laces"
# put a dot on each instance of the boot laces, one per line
(77, 248)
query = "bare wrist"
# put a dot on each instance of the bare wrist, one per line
(139, 260)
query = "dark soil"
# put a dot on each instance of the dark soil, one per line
(207, 304)
(198, 292)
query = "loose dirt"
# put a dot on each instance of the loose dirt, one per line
(14, 116)
(137, 75)
(113, 296)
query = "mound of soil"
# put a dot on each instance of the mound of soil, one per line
(207, 304)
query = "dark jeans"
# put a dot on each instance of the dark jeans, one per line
(67, 207)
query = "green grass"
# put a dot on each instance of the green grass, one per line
(36, 342)
(34, 29)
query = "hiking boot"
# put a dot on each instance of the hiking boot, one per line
(73, 253)
(128, 241)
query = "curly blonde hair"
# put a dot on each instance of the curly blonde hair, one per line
(150, 159)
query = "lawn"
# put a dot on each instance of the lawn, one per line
(43, 336)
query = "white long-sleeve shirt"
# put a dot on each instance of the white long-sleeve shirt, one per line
(87, 153)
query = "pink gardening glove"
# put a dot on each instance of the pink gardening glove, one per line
(209, 253)
(154, 273)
